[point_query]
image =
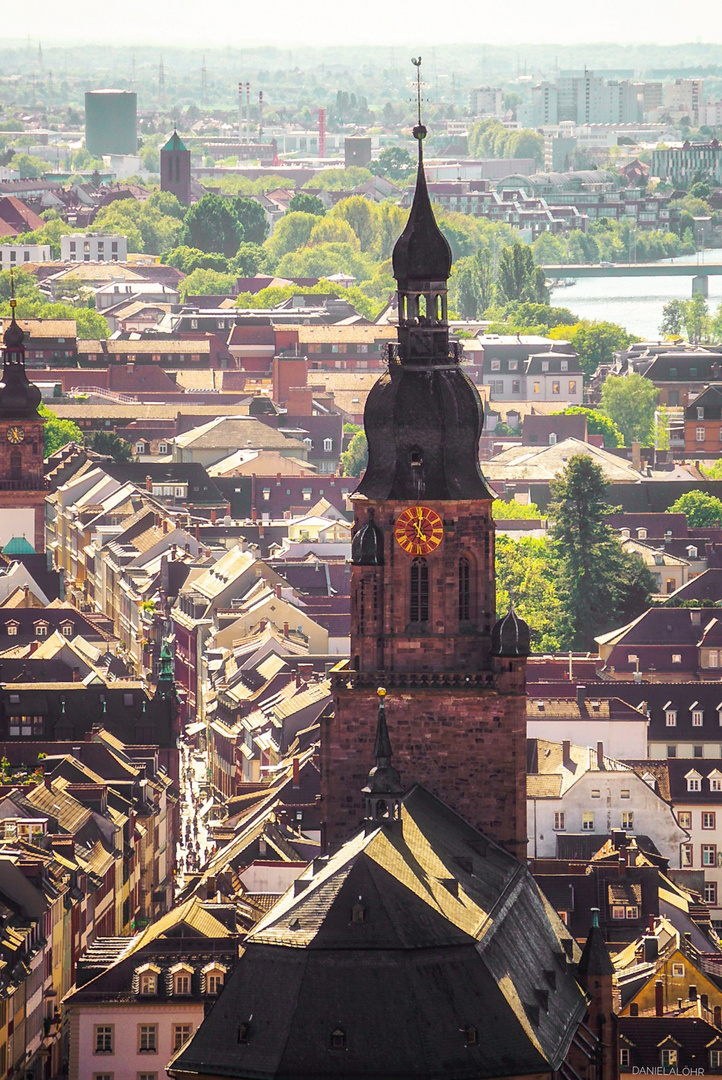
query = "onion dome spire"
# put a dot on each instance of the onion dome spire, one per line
(19, 398)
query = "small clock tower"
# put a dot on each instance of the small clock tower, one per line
(423, 614)
(22, 486)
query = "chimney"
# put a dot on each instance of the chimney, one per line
(26, 596)
(285, 629)
(76, 674)
(165, 526)
(213, 517)
(636, 456)
(210, 887)
(47, 781)
(198, 532)
(651, 949)
(296, 774)
(566, 749)
(278, 591)
(306, 672)
(650, 925)
(659, 998)
(32, 647)
(600, 755)
(581, 692)
(253, 515)
(149, 483)
(228, 510)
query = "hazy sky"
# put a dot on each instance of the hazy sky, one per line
(289, 23)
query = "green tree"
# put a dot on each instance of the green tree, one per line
(594, 342)
(518, 278)
(358, 213)
(355, 459)
(323, 260)
(472, 285)
(395, 162)
(339, 179)
(167, 204)
(107, 442)
(252, 217)
(597, 424)
(630, 401)
(30, 167)
(696, 318)
(26, 285)
(703, 511)
(57, 433)
(189, 259)
(672, 318)
(333, 230)
(249, 260)
(306, 203)
(207, 283)
(526, 569)
(505, 511)
(291, 233)
(714, 471)
(211, 225)
(599, 582)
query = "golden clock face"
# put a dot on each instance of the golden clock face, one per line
(15, 435)
(419, 530)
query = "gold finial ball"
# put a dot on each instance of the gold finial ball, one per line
(381, 692)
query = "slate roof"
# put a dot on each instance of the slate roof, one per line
(644, 1037)
(452, 933)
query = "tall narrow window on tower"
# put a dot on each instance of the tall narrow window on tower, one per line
(464, 589)
(419, 591)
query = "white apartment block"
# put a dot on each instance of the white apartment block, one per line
(93, 247)
(16, 254)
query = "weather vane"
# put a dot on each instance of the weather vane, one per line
(416, 61)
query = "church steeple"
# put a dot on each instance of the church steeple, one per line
(423, 419)
(19, 398)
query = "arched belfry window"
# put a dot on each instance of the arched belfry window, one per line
(16, 465)
(419, 591)
(464, 589)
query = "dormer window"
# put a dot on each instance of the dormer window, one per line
(715, 780)
(148, 983)
(694, 781)
(181, 980)
(67, 629)
(691, 552)
(697, 717)
(12, 629)
(215, 978)
(670, 717)
(641, 534)
(41, 629)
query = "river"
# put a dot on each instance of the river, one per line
(636, 303)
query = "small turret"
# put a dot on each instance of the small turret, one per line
(367, 546)
(383, 791)
(510, 635)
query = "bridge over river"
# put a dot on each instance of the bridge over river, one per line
(699, 272)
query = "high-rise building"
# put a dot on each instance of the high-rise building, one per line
(486, 101)
(175, 169)
(111, 122)
(423, 619)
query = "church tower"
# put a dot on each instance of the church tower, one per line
(423, 603)
(175, 169)
(22, 486)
